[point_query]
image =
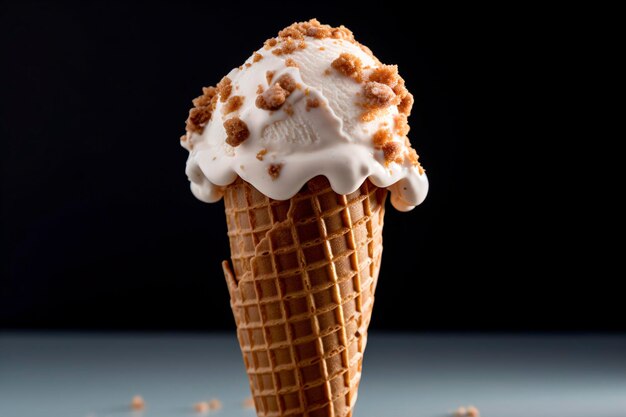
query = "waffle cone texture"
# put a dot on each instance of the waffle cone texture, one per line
(302, 291)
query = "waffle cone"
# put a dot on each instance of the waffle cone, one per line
(302, 293)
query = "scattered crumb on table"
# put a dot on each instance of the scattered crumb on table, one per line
(472, 411)
(137, 403)
(201, 407)
(469, 411)
(215, 404)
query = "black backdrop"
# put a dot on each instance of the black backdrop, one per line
(100, 230)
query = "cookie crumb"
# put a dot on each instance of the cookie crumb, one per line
(287, 46)
(371, 114)
(381, 137)
(274, 170)
(291, 63)
(257, 57)
(248, 65)
(137, 403)
(268, 76)
(414, 159)
(291, 32)
(261, 154)
(200, 114)
(386, 74)
(201, 407)
(472, 411)
(273, 98)
(326, 71)
(401, 125)
(349, 65)
(234, 103)
(406, 104)
(342, 32)
(287, 82)
(259, 89)
(469, 411)
(236, 130)
(378, 95)
(215, 404)
(391, 151)
(224, 88)
(198, 117)
(322, 48)
(270, 43)
(312, 103)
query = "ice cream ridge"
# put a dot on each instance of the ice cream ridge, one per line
(303, 142)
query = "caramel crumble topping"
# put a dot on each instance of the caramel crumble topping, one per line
(274, 170)
(268, 76)
(381, 137)
(386, 74)
(349, 65)
(371, 114)
(315, 29)
(248, 65)
(291, 63)
(259, 89)
(401, 125)
(233, 104)
(342, 32)
(273, 98)
(291, 32)
(378, 95)
(201, 113)
(257, 57)
(261, 154)
(287, 82)
(288, 46)
(406, 104)
(206, 98)
(391, 151)
(312, 103)
(224, 88)
(270, 43)
(276, 95)
(236, 130)
(198, 117)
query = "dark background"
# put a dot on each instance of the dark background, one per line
(100, 230)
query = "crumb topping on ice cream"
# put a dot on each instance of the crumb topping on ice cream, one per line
(312, 101)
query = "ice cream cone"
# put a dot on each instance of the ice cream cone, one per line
(302, 292)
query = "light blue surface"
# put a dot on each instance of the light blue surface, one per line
(83, 375)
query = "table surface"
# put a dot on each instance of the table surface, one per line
(96, 375)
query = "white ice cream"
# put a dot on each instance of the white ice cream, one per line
(329, 140)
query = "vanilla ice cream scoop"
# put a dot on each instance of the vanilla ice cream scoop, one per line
(310, 102)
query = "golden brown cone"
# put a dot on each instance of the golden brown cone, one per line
(302, 292)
